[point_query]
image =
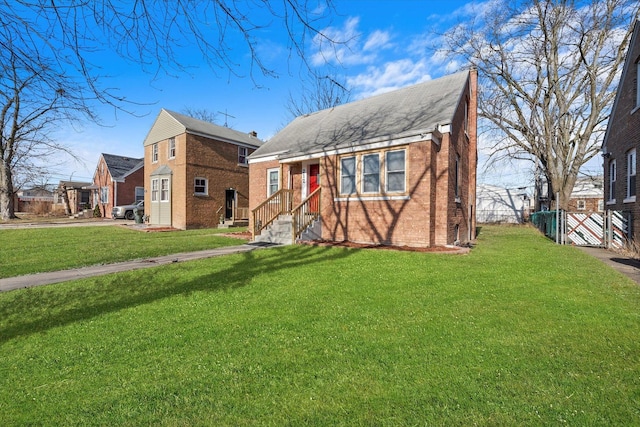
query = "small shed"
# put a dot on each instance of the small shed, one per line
(504, 205)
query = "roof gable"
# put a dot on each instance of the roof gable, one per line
(120, 166)
(169, 124)
(409, 111)
(628, 62)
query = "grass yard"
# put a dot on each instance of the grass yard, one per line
(518, 332)
(35, 250)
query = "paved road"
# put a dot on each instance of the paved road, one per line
(39, 279)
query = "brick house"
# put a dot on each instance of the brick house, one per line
(195, 172)
(118, 180)
(393, 169)
(622, 140)
(78, 194)
(587, 195)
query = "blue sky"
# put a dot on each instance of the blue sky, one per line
(388, 49)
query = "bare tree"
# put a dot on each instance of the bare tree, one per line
(201, 114)
(549, 70)
(324, 92)
(50, 58)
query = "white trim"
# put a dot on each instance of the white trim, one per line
(370, 198)
(631, 199)
(264, 158)
(611, 202)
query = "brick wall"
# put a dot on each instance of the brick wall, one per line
(623, 134)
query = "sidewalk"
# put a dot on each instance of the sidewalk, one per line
(39, 279)
(628, 266)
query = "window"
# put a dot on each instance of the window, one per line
(164, 190)
(612, 181)
(172, 148)
(139, 194)
(154, 190)
(273, 177)
(637, 84)
(200, 186)
(371, 173)
(631, 175)
(395, 171)
(457, 179)
(348, 175)
(242, 155)
(104, 194)
(154, 153)
(581, 205)
(600, 205)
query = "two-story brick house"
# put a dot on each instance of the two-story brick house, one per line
(196, 172)
(394, 169)
(117, 180)
(622, 142)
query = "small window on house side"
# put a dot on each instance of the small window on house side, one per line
(104, 195)
(164, 190)
(154, 190)
(273, 178)
(395, 171)
(242, 155)
(154, 153)
(458, 179)
(139, 194)
(200, 186)
(172, 148)
(581, 205)
(637, 84)
(348, 175)
(371, 173)
(600, 205)
(612, 181)
(631, 174)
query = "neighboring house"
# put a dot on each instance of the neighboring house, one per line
(196, 173)
(118, 180)
(587, 195)
(79, 194)
(622, 141)
(501, 205)
(394, 169)
(34, 200)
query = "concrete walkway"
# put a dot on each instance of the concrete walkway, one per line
(628, 266)
(39, 279)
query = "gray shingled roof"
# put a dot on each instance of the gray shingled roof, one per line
(403, 112)
(120, 165)
(202, 127)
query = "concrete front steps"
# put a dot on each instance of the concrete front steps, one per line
(280, 232)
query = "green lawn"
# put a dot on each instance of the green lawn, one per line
(35, 250)
(518, 332)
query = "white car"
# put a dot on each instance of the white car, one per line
(127, 211)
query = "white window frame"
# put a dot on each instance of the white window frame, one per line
(581, 205)
(353, 188)
(269, 185)
(612, 181)
(366, 173)
(104, 194)
(243, 153)
(172, 148)
(154, 190)
(204, 183)
(637, 85)
(631, 176)
(164, 189)
(402, 171)
(458, 180)
(154, 153)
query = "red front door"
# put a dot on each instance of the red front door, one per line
(314, 177)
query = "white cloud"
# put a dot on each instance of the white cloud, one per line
(392, 75)
(377, 40)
